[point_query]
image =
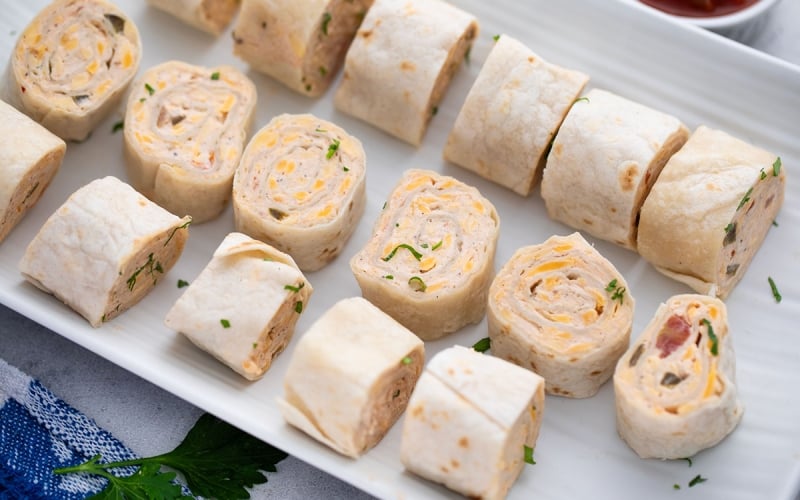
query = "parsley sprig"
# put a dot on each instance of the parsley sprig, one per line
(216, 459)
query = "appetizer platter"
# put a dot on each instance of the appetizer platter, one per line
(627, 50)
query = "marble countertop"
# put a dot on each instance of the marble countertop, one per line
(151, 420)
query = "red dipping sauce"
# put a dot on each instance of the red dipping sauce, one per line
(699, 8)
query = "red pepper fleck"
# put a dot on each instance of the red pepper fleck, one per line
(23, 89)
(672, 335)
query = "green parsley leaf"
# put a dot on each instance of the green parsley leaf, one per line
(417, 284)
(729, 227)
(435, 110)
(293, 288)
(579, 99)
(676, 486)
(697, 480)
(437, 246)
(529, 455)
(763, 174)
(182, 283)
(406, 361)
(118, 126)
(215, 75)
(333, 148)
(326, 18)
(496, 38)
(619, 294)
(216, 459)
(298, 306)
(775, 292)
(745, 199)
(776, 167)
(150, 90)
(225, 323)
(323, 71)
(611, 285)
(689, 460)
(713, 337)
(775, 223)
(345, 169)
(175, 230)
(411, 249)
(482, 345)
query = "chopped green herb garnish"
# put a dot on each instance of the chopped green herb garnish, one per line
(437, 245)
(183, 283)
(529, 455)
(320, 130)
(435, 110)
(775, 223)
(466, 54)
(776, 167)
(255, 345)
(225, 323)
(689, 460)
(407, 360)
(151, 266)
(424, 245)
(384, 206)
(745, 199)
(332, 148)
(142, 99)
(323, 70)
(763, 174)
(712, 337)
(411, 249)
(579, 99)
(676, 486)
(215, 75)
(697, 480)
(150, 90)
(118, 126)
(496, 38)
(389, 276)
(729, 227)
(619, 291)
(775, 292)
(293, 288)
(216, 459)
(482, 345)
(298, 306)
(345, 169)
(175, 230)
(417, 284)
(308, 87)
(326, 18)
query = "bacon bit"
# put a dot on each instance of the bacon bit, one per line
(672, 335)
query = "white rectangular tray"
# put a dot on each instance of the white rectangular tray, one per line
(699, 77)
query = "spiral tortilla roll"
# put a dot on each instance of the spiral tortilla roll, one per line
(104, 249)
(430, 260)
(30, 156)
(243, 307)
(676, 386)
(72, 64)
(211, 16)
(469, 420)
(606, 157)
(350, 376)
(710, 210)
(185, 129)
(512, 112)
(301, 188)
(564, 311)
(401, 63)
(300, 43)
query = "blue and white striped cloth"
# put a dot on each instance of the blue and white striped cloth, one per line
(38, 433)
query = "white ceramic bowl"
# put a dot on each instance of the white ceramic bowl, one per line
(741, 25)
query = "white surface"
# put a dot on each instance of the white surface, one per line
(695, 75)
